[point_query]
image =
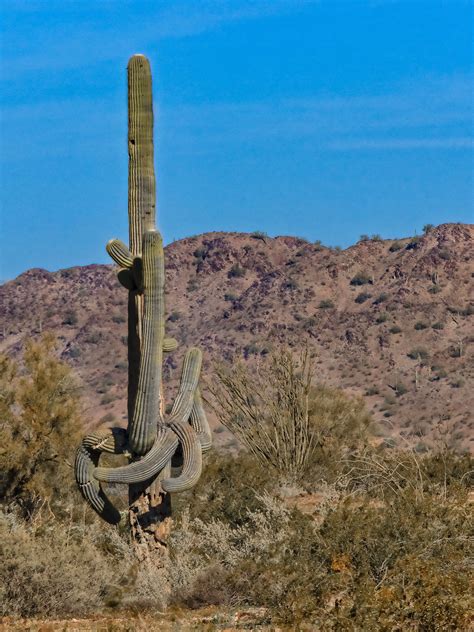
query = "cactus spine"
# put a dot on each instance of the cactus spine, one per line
(151, 439)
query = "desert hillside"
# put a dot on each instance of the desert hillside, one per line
(388, 319)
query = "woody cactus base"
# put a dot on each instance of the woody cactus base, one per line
(151, 440)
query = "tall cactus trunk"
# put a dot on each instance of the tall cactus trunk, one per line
(151, 438)
(149, 505)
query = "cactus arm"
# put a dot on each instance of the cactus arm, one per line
(119, 252)
(152, 463)
(199, 422)
(183, 403)
(192, 459)
(142, 433)
(87, 458)
(180, 413)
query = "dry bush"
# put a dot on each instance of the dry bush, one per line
(52, 568)
(285, 421)
(387, 547)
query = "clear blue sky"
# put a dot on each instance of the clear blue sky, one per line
(324, 119)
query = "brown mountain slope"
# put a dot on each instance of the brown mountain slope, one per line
(390, 320)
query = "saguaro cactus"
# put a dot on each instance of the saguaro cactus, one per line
(151, 439)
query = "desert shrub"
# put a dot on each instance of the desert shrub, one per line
(361, 278)
(174, 316)
(70, 318)
(395, 329)
(51, 568)
(382, 318)
(290, 284)
(118, 318)
(362, 297)
(418, 353)
(413, 243)
(236, 272)
(381, 298)
(229, 296)
(318, 246)
(437, 325)
(326, 304)
(200, 253)
(376, 237)
(400, 388)
(419, 325)
(39, 421)
(434, 289)
(364, 237)
(387, 547)
(396, 245)
(427, 228)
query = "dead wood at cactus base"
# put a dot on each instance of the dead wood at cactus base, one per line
(151, 438)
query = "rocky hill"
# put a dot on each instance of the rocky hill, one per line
(389, 319)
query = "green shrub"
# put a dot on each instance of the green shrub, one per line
(382, 318)
(362, 297)
(418, 353)
(70, 318)
(39, 423)
(326, 304)
(395, 329)
(236, 272)
(361, 278)
(396, 245)
(381, 298)
(419, 325)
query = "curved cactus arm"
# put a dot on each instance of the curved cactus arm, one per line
(87, 458)
(152, 463)
(180, 413)
(183, 404)
(143, 427)
(119, 252)
(199, 422)
(192, 459)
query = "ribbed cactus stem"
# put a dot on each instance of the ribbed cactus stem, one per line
(142, 431)
(141, 172)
